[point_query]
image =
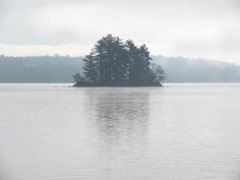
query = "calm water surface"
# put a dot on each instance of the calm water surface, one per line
(50, 131)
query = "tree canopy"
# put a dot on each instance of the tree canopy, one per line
(114, 63)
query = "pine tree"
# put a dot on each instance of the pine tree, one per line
(90, 68)
(132, 62)
(114, 63)
(144, 58)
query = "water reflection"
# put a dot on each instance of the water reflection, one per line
(120, 114)
(182, 132)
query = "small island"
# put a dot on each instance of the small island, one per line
(112, 63)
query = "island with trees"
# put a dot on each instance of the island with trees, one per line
(112, 63)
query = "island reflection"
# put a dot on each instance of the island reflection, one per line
(120, 114)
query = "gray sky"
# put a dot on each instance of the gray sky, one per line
(191, 28)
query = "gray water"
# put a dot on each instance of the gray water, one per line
(51, 131)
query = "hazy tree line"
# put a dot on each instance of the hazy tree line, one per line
(42, 69)
(59, 69)
(180, 69)
(114, 63)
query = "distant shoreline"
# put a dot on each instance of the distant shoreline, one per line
(99, 85)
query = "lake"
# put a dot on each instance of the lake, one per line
(182, 131)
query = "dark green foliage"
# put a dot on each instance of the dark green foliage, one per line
(90, 70)
(114, 63)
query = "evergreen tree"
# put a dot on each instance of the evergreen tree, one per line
(109, 56)
(90, 68)
(132, 62)
(144, 56)
(114, 63)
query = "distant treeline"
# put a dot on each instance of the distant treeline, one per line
(43, 69)
(60, 69)
(180, 69)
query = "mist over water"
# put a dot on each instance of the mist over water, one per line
(50, 131)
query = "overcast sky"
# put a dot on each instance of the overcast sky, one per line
(190, 28)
